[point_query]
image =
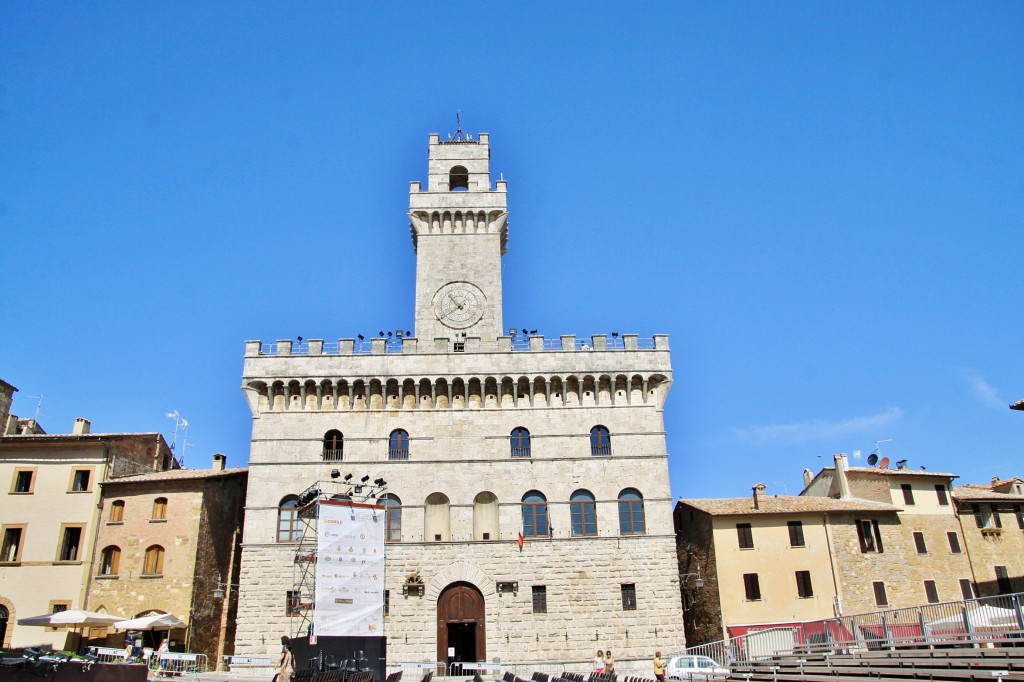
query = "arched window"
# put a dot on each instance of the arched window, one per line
(458, 179)
(334, 443)
(288, 519)
(437, 525)
(600, 441)
(520, 442)
(535, 515)
(398, 444)
(160, 509)
(5, 616)
(394, 517)
(583, 511)
(110, 559)
(154, 561)
(631, 512)
(117, 511)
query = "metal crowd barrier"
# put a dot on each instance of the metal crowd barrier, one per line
(169, 664)
(254, 665)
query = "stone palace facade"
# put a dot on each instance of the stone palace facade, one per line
(527, 477)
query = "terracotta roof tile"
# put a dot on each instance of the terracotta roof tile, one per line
(899, 472)
(981, 491)
(784, 504)
(176, 475)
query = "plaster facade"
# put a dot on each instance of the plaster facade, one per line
(459, 387)
(49, 511)
(875, 539)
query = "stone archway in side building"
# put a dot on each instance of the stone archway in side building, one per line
(461, 624)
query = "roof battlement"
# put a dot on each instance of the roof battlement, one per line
(410, 345)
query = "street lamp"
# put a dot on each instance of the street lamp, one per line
(698, 581)
(219, 591)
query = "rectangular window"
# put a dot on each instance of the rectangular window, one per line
(746, 536)
(628, 597)
(880, 598)
(10, 552)
(796, 533)
(986, 516)
(292, 599)
(869, 535)
(751, 586)
(1019, 514)
(58, 607)
(23, 482)
(70, 543)
(908, 493)
(967, 588)
(919, 542)
(80, 480)
(387, 602)
(930, 592)
(540, 599)
(954, 542)
(803, 584)
(1003, 579)
(940, 492)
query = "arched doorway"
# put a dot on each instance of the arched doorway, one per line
(5, 615)
(461, 624)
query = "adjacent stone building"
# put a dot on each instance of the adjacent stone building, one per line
(766, 560)
(873, 539)
(166, 540)
(49, 514)
(527, 477)
(992, 526)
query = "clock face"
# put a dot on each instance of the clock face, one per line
(459, 305)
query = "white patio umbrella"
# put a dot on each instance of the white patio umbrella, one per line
(70, 618)
(981, 617)
(156, 621)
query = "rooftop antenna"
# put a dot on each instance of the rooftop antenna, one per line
(185, 442)
(180, 424)
(876, 454)
(460, 135)
(39, 405)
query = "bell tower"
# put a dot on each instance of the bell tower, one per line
(459, 229)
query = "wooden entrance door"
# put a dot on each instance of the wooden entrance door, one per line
(461, 604)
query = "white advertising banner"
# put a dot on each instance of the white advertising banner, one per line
(349, 570)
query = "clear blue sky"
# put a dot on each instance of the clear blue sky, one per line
(821, 203)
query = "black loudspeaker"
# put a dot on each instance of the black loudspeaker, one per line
(344, 652)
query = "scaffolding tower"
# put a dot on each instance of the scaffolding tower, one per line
(302, 599)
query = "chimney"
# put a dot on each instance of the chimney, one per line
(11, 427)
(758, 489)
(808, 477)
(844, 485)
(82, 426)
(219, 461)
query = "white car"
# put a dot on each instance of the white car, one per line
(694, 668)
